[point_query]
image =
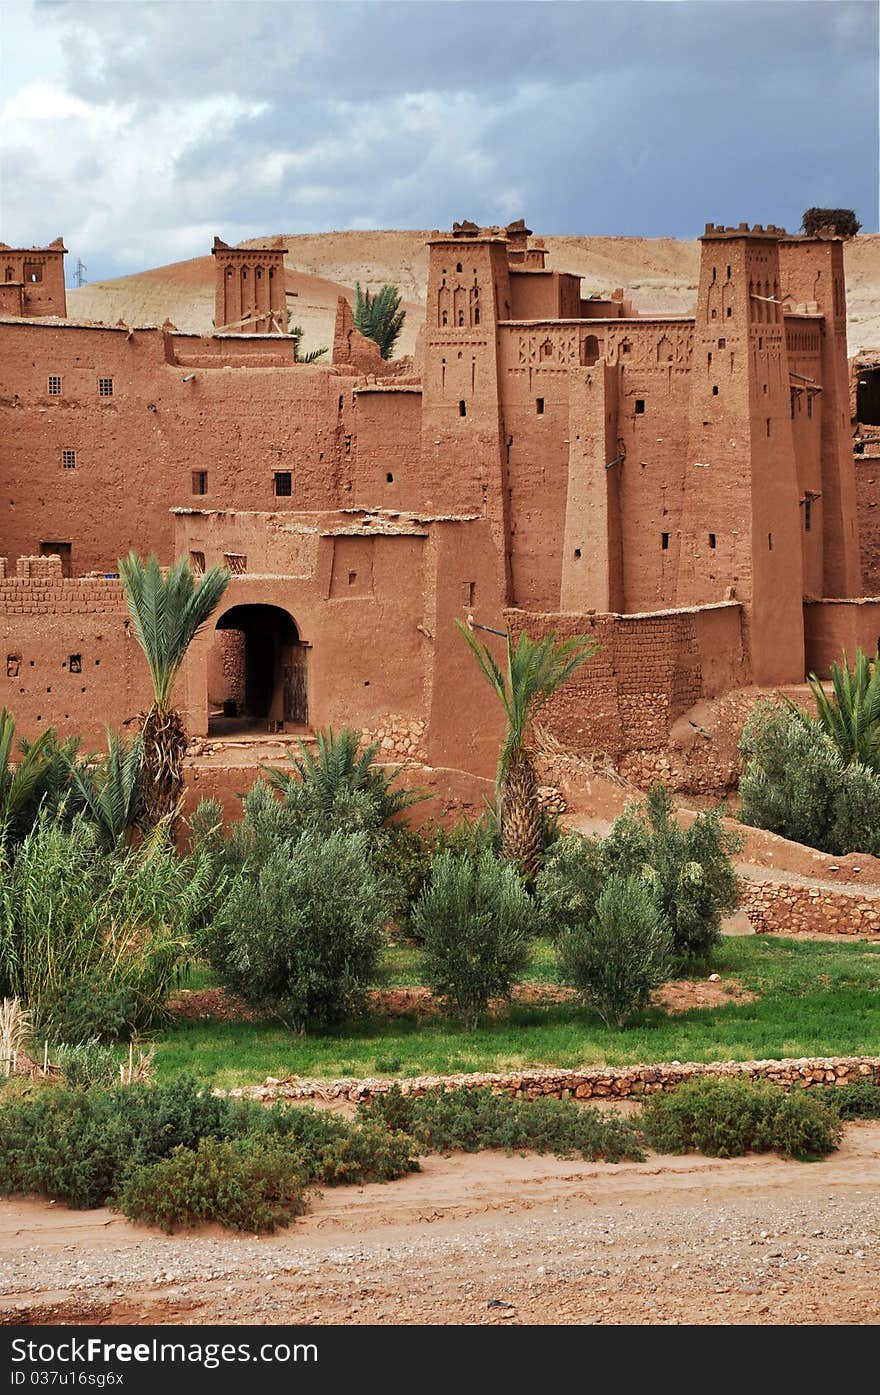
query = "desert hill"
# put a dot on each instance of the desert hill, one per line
(660, 275)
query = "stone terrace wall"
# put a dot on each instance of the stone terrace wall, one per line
(589, 1083)
(808, 910)
(649, 669)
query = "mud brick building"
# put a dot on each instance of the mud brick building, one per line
(681, 486)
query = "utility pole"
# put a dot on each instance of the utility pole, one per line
(78, 270)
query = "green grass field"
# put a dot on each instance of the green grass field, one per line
(816, 999)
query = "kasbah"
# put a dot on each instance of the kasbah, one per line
(682, 487)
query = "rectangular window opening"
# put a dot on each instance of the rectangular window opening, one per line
(712, 541)
(75, 663)
(389, 478)
(283, 484)
(54, 386)
(352, 578)
(462, 409)
(199, 481)
(235, 562)
(808, 515)
(664, 541)
(197, 563)
(722, 343)
(68, 459)
(105, 387)
(715, 390)
(768, 426)
(472, 592)
(769, 542)
(640, 406)
(539, 406)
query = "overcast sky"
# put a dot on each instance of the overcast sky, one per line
(139, 129)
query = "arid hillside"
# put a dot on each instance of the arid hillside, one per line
(659, 273)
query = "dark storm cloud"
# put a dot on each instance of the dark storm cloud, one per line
(623, 117)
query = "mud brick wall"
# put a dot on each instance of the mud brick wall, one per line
(867, 469)
(648, 670)
(591, 1083)
(68, 658)
(803, 910)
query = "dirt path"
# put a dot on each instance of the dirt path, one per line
(489, 1238)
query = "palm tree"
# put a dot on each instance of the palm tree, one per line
(341, 764)
(296, 334)
(39, 778)
(379, 316)
(167, 613)
(109, 790)
(536, 669)
(852, 718)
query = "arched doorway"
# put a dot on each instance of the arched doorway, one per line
(256, 672)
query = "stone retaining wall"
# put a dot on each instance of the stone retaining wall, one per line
(590, 1083)
(400, 738)
(808, 910)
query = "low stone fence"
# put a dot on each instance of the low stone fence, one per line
(590, 1083)
(795, 909)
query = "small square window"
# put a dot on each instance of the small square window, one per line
(640, 406)
(389, 478)
(199, 481)
(722, 343)
(13, 665)
(54, 385)
(539, 406)
(715, 390)
(105, 387)
(75, 663)
(283, 484)
(197, 563)
(68, 459)
(235, 562)
(730, 312)
(352, 578)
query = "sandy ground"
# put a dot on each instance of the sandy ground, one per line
(487, 1239)
(659, 274)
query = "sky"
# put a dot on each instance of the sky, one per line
(138, 130)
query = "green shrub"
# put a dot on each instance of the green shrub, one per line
(87, 1063)
(688, 869)
(474, 919)
(796, 784)
(302, 930)
(858, 1101)
(71, 1145)
(472, 1120)
(90, 1009)
(76, 1145)
(570, 883)
(726, 1118)
(332, 1151)
(243, 1186)
(73, 915)
(618, 957)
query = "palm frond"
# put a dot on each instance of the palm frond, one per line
(167, 613)
(379, 316)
